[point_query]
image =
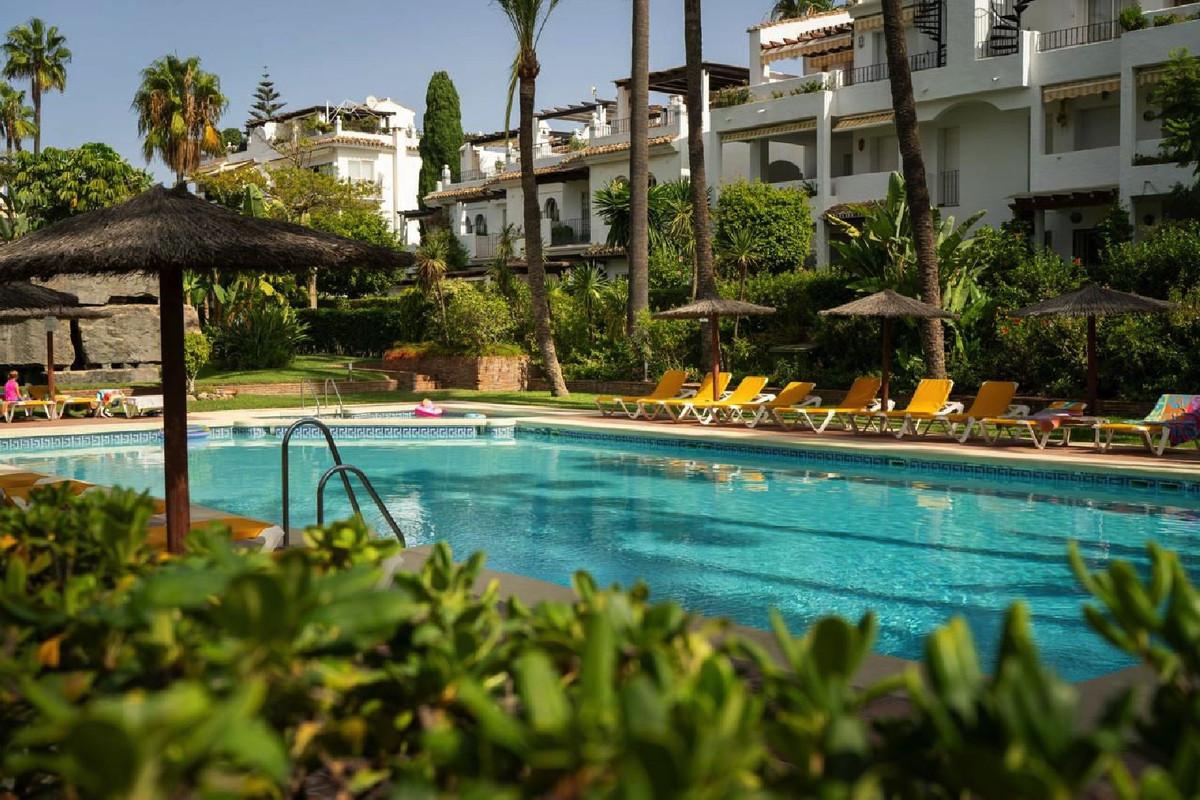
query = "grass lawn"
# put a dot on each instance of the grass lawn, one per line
(574, 401)
(304, 368)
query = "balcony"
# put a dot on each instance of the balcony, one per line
(879, 72)
(860, 188)
(571, 232)
(667, 118)
(1079, 35)
(1075, 169)
(472, 175)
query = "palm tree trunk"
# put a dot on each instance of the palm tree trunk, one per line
(639, 167)
(533, 233)
(932, 335)
(312, 288)
(36, 94)
(693, 36)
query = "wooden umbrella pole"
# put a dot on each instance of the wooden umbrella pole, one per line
(170, 286)
(714, 323)
(1093, 373)
(50, 366)
(887, 362)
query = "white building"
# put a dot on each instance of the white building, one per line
(580, 149)
(375, 140)
(1032, 108)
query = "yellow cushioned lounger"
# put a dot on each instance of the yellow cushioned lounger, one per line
(650, 409)
(704, 407)
(994, 400)
(929, 398)
(796, 394)
(670, 385)
(858, 401)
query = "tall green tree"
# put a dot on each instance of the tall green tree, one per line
(433, 262)
(178, 106)
(442, 133)
(933, 341)
(791, 9)
(58, 183)
(39, 53)
(528, 19)
(1177, 96)
(639, 168)
(16, 118)
(266, 99)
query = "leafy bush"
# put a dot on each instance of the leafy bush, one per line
(731, 96)
(368, 327)
(197, 350)
(779, 220)
(478, 321)
(1132, 18)
(262, 336)
(325, 671)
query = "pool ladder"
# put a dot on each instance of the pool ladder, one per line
(308, 387)
(338, 468)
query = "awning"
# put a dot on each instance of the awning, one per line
(844, 59)
(875, 21)
(768, 131)
(807, 46)
(1052, 201)
(1065, 91)
(1148, 77)
(863, 120)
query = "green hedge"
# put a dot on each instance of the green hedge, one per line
(369, 327)
(323, 669)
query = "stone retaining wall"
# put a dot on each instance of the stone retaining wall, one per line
(280, 389)
(485, 373)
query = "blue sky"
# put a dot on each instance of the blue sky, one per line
(320, 51)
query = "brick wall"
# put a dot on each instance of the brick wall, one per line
(486, 373)
(279, 389)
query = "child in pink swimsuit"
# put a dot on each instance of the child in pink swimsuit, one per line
(12, 389)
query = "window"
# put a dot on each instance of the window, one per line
(469, 227)
(652, 181)
(360, 169)
(1086, 246)
(552, 210)
(480, 225)
(783, 172)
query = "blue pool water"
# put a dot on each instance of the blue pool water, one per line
(724, 534)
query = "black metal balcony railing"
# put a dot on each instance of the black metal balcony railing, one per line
(947, 188)
(879, 72)
(571, 232)
(663, 119)
(1080, 34)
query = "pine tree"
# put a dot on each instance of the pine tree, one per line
(442, 136)
(266, 99)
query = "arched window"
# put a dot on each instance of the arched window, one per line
(652, 181)
(480, 225)
(470, 228)
(783, 171)
(552, 209)
(620, 179)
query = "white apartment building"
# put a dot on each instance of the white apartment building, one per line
(1032, 108)
(580, 149)
(375, 140)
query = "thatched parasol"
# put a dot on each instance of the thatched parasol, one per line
(888, 306)
(165, 232)
(23, 301)
(712, 309)
(1094, 301)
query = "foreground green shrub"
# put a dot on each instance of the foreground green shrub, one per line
(259, 337)
(326, 671)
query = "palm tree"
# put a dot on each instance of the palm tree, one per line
(586, 284)
(41, 55)
(528, 19)
(178, 107)
(432, 261)
(639, 167)
(919, 207)
(740, 251)
(500, 270)
(791, 9)
(693, 36)
(16, 118)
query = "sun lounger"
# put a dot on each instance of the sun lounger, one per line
(797, 394)
(994, 400)
(142, 404)
(861, 399)
(19, 495)
(1174, 421)
(929, 399)
(652, 409)
(670, 385)
(703, 407)
(65, 403)
(1064, 414)
(31, 403)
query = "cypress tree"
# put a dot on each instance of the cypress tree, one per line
(266, 99)
(442, 135)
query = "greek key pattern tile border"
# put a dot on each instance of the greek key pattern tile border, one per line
(79, 440)
(947, 468)
(391, 432)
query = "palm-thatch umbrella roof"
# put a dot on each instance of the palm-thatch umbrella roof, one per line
(24, 301)
(712, 309)
(1094, 301)
(166, 232)
(888, 306)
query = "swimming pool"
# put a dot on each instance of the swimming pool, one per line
(724, 533)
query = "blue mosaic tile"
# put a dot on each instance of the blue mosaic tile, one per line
(79, 440)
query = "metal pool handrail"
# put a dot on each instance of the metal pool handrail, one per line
(309, 422)
(340, 405)
(312, 388)
(343, 469)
